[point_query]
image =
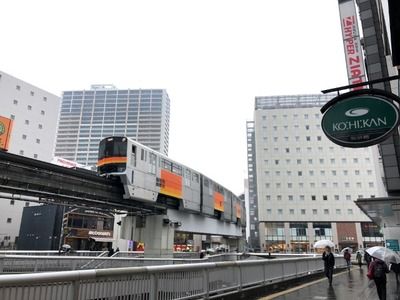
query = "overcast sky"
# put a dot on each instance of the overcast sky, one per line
(212, 56)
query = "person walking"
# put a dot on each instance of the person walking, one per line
(377, 271)
(347, 257)
(329, 263)
(359, 258)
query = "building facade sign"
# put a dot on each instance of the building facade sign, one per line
(5, 132)
(352, 43)
(360, 118)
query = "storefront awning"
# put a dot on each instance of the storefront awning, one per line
(384, 212)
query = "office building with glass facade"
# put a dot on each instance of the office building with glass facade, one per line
(87, 116)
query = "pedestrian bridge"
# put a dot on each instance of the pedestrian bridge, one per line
(207, 280)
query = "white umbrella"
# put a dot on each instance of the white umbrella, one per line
(385, 254)
(324, 243)
(347, 248)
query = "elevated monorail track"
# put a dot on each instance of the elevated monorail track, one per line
(27, 179)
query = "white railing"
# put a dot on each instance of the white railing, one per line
(188, 281)
(50, 252)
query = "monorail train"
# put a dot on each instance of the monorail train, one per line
(152, 177)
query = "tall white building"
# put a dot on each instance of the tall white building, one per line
(306, 185)
(87, 116)
(35, 114)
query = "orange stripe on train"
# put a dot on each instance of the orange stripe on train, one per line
(218, 201)
(112, 160)
(172, 184)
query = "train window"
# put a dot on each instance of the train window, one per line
(188, 177)
(142, 154)
(195, 177)
(165, 164)
(177, 169)
(153, 162)
(206, 184)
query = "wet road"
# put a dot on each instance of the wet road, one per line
(351, 285)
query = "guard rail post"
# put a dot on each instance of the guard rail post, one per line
(75, 290)
(153, 286)
(2, 257)
(206, 284)
(240, 277)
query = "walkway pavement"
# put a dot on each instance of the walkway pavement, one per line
(351, 285)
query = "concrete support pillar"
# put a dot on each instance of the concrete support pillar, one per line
(359, 236)
(287, 237)
(311, 236)
(158, 237)
(335, 237)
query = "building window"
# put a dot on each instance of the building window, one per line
(344, 160)
(290, 185)
(302, 198)
(279, 197)
(27, 122)
(298, 150)
(371, 184)
(9, 220)
(355, 160)
(300, 173)
(268, 197)
(27, 204)
(333, 173)
(12, 202)
(264, 118)
(299, 161)
(307, 127)
(276, 161)
(291, 211)
(21, 152)
(29, 107)
(314, 211)
(37, 141)
(32, 93)
(345, 172)
(369, 172)
(321, 160)
(323, 184)
(308, 138)
(15, 102)
(297, 138)
(12, 117)
(18, 87)
(350, 211)
(332, 160)
(347, 184)
(357, 172)
(306, 116)
(303, 211)
(289, 173)
(310, 161)
(287, 150)
(338, 211)
(312, 184)
(359, 184)
(326, 211)
(311, 173)
(40, 126)
(42, 112)
(278, 185)
(35, 156)
(348, 197)
(45, 99)
(280, 211)
(322, 172)
(278, 173)
(290, 197)
(319, 138)
(313, 197)
(367, 159)
(336, 197)
(269, 211)
(325, 197)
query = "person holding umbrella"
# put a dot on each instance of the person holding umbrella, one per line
(329, 263)
(378, 268)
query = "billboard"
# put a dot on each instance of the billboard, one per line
(5, 132)
(351, 42)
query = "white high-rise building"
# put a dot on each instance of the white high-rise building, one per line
(307, 185)
(87, 116)
(35, 114)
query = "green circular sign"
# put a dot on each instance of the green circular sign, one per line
(2, 128)
(360, 119)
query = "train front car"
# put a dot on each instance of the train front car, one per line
(112, 156)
